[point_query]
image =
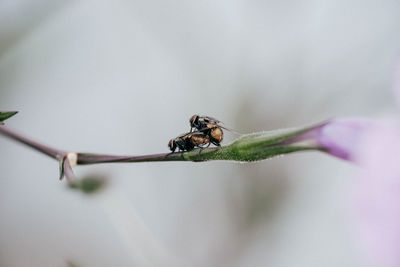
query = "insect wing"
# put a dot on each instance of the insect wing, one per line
(210, 119)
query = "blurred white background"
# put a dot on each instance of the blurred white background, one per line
(123, 77)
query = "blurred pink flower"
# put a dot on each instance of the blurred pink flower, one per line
(377, 196)
(342, 137)
(375, 147)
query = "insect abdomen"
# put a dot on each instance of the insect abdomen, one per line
(200, 140)
(217, 134)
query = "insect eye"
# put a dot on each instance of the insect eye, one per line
(193, 119)
(170, 143)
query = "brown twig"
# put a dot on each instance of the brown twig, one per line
(49, 151)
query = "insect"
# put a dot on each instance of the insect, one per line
(189, 141)
(209, 126)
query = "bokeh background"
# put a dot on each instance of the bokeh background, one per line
(123, 77)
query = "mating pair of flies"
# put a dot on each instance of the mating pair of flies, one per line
(207, 131)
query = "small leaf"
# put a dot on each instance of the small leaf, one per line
(89, 184)
(5, 115)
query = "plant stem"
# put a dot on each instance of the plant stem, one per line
(251, 147)
(49, 151)
(89, 158)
